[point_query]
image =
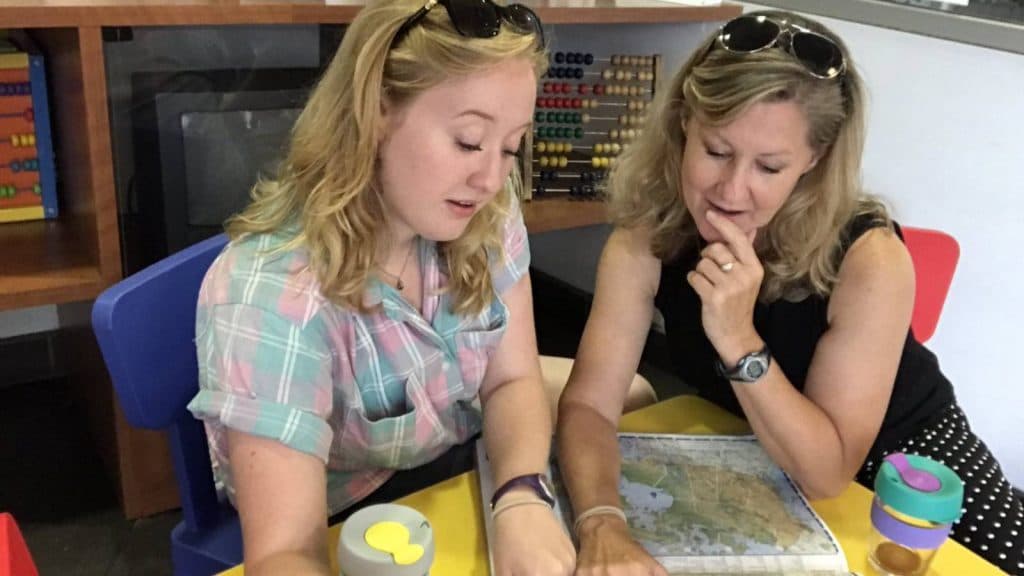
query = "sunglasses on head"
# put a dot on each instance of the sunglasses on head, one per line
(479, 18)
(748, 34)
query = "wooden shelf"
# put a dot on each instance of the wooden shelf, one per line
(45, 263)
(545, 215)
(77, 255)
(50, 13)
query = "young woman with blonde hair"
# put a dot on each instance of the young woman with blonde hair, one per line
(378, 288)
(786, 291)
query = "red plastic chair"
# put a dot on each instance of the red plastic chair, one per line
(14, 557)
(935, 255)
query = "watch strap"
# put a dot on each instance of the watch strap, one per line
(535, 482)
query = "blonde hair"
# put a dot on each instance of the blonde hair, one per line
(801, 248)
(327, 184)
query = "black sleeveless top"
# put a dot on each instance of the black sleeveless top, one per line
(792, 331)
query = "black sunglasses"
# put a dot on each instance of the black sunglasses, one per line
(753, 33)
(479, 19)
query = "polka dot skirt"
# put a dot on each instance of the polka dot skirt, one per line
(992, 524)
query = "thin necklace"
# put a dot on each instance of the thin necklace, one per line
(399, 285)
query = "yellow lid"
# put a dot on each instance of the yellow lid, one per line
(393, 538)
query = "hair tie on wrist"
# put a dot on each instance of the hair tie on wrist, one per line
(502, 506)
(598, 511)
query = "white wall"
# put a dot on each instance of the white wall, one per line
(946, 147)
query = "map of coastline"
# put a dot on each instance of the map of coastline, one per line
(708, 505)
(714, 497)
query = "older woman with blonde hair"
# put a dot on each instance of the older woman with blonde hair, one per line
(785, 289)
(376, 295)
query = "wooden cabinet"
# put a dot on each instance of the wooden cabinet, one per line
(71, 260)
(77, 255)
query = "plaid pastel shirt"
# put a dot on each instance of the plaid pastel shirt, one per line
(366, 393)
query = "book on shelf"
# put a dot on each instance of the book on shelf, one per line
(707, 505)
(28, 188)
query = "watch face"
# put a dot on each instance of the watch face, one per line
(755, 368)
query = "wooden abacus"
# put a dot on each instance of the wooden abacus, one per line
(588, 109)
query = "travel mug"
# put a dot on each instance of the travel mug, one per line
(386, 540)
(916, 502)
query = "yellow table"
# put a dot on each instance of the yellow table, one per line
(453, 506)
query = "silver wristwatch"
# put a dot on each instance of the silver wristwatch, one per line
(750, 368)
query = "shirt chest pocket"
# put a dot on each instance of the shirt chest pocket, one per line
(474, 343)
(400, 440)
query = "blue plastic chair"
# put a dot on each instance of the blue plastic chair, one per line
(145, 326)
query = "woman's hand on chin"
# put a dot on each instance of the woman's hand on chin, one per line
(728, 279)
